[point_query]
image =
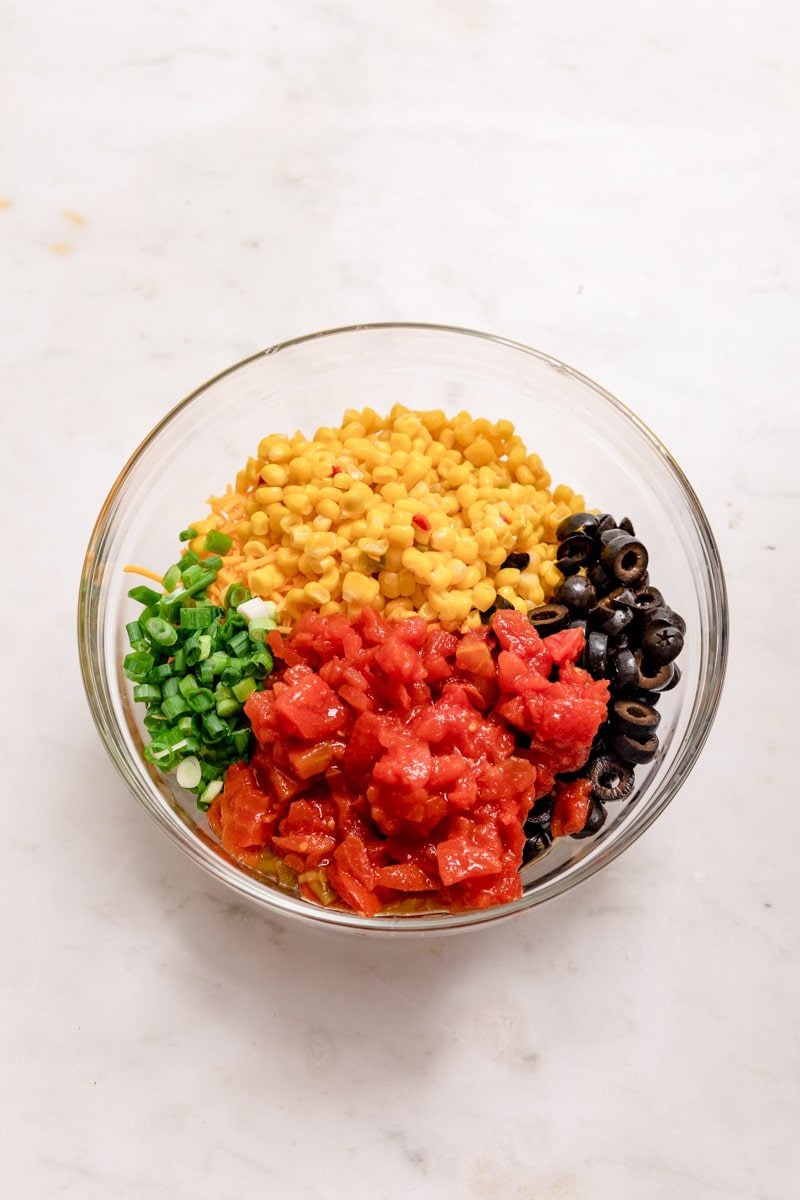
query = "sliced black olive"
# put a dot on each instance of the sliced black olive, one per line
(595, 654)
(605, 522)
(662, 614)
(578, 623)
(601, 579)
(676, 678)
(576, 591)
(610, 620)
(653, 678)
(611, 533)
(619, 641)
(610, 778)
(648, 598)
(575, 552)
(640, 697)
(631, 716)
(549, 618)
(577, 523)
(625, 557)
(662, 643)
(624, 671)
(635, 749)
(487, 614)
(595, 819)
(535, 846)
(621, 597)
(517, 559)
(627, 525)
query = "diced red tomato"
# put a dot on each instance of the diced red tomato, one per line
(571, 807)
(391, 756)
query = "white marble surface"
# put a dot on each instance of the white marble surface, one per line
(185, 183)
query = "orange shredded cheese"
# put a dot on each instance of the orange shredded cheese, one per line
(144, 571)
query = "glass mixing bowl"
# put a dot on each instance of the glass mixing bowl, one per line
(586, 438)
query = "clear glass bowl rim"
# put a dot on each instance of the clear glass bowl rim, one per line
(134, 774)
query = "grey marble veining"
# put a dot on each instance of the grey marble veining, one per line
(183, 184)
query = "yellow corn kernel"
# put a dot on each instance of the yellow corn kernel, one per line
(479, 452)
(550, 577)
(331, 580)
(467, 549)
(495, 558)
(456, 572)
(258, 525)
(254, 549)
(484, 595)
(401, 535)
(443, 538)
(418, 563)
(440, 577)
(486, 540)
(267, 495)
(343, 481)
(389, 584)
(265, 580)
(406, 583)
(300, 470)
(381, 475)
(357, 499)
(467, 495)
(359, 589)
(351, 555)
(299, 504)
(274, 475)
(317, 593)
(507, 577)
(373, 547)
(287, 560)
(473, 576)
(329, 509)
(321, 524)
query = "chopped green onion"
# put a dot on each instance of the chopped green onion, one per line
(232, 673)
(137, 665)
(171, 686)
(201, 582)
(204, 673)
(155, 721)
(146, 693)
(188, 725)
(160, 672)
(244, 688)
(201, 700)
(241, 740)
(186, 535)
(212, 563)
(144, 595)
(188, 684)
(258, 608)
(218, 662)
(218, 542)
(210, 793)
(161, 632)
(187, 559)
(174, 706)
(199, 617)
(215, 730)
(260, 627)
(172, 577)
(236, 594)
(262, 659)
(189, 773)
(228, 706)
(135, 634)
(240, 644)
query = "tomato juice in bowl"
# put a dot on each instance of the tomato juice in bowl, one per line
(583, 436)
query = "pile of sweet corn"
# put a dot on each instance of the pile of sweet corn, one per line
(414, 513)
